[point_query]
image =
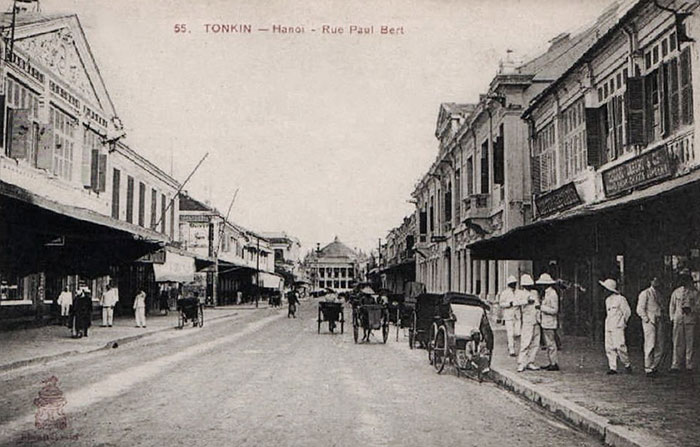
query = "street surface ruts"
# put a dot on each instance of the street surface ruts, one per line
(262, 379)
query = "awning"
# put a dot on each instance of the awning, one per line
(533, 241)
(177, 268)
(270, 281)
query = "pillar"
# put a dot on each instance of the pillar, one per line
(468, 271)
(492, 280)
(482, 273)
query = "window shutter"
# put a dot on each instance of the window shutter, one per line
(649, 80)
(664, 99)
(102, 174)
(44, 158)
(674, 95)
(20, 127)
(686, 88)
(535, 174)
(635, 111)
(423, 226)
(593, 137)
(95, 169)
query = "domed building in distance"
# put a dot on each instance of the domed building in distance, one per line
(334, 266)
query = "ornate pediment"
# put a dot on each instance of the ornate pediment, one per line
(56, 50)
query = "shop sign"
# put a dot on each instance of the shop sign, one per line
(177, 268)
(560, 199)
(157, 257)
(438, 238)
(639, 171)
(194, 218)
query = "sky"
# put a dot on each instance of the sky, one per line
(322, 135)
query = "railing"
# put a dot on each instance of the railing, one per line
(477, 205)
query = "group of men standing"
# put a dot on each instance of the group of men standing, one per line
(531, 312)
(526, 317)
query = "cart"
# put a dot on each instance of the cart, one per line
(461, 336)
(332, 313)
(423, 310)
(369, 317)
(190, 310)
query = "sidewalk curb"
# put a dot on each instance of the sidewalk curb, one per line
(586, 420)
(124, 340)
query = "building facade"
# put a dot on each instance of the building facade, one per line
(397, 264)
(479, 184)
(614, 165)
(77, 204)
(335, 266)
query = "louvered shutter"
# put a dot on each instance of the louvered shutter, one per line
(664, 99)
(102, 173)
(593, 138)
(20, 126)
(686, 88)
(649, 81)
(94, 169)
(2, 120)
(44, 158)
(674, 95)
(535, 174)
(635, 111)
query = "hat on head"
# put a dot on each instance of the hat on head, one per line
(545, 280)
(511, 280)
(609, 284)
(526, 280)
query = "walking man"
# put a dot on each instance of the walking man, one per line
(530, 339)
(109, 300)
(140, 309)
(618, 312)
(65, 300)
(683, 310)
(550, 319)
(508, 299)
(649, 309)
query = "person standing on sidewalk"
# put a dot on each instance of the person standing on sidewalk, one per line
(82, 313)
(650, 311)
(65, 300)
(508, 299)
(140, 309)
(550, 319)
(618, 312)
(530, 339)
(109, 300)
(683, 310)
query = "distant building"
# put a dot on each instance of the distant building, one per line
(334, 266)
(287, 251)
(397, 264)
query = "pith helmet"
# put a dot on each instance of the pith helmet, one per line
(545, 280)
(609, 284)
(526, 280)
(511, 280)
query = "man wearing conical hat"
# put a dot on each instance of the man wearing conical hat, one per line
(510, 302)
(550, 319)
(618, 312)
(530, 340)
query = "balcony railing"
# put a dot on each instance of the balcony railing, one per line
(477, 205)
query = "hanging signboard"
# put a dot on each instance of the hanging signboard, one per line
(557, 200)
(177, 268)
(639, 171)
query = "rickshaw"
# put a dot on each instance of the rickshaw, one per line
(190, 310)
(424, 309)
(369, 316)
(395, 304)
(332, 312)
(461, 336)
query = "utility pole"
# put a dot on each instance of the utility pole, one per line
(179, 190)
(257, 274)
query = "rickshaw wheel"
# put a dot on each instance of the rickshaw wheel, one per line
(440, 350)
(180, 321)
(200, 315)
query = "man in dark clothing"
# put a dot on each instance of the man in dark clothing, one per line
(82, 309)
(293, 302)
